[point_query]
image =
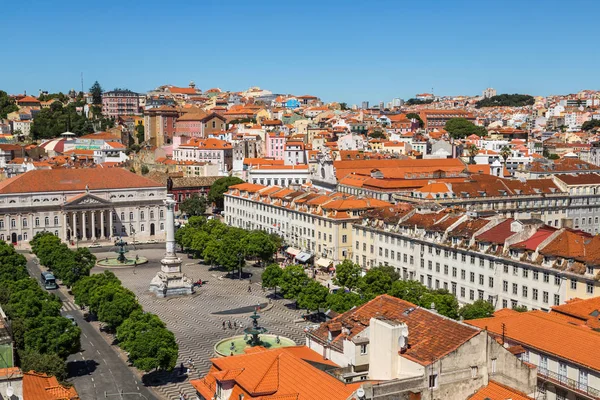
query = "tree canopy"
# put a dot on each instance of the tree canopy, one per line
(194, 205)
(312, 296)
(415, 101)
(508, 100)
(215, 194)
(347, 274)
(479, 309)
(415, 116)
(271, 276)
(591, 124)
(7, 105)
(292, 281)
(460, 128)
(52, 121)
(96, 91)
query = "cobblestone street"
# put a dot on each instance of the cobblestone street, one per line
(197, 321)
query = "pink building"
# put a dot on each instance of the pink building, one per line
(120, 102)
(274, 145)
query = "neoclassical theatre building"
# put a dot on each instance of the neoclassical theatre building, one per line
(81, 205)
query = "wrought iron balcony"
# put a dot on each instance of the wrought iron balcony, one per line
(567, 383)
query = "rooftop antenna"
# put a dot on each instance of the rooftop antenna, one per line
(503, 333)
(81, 82)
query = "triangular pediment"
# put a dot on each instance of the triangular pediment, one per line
(85, 199)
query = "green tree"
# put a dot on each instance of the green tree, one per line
(113, 304)
(30, 303)
(460, 128)
(137, 323)
(553, 156)
(215, 194)
(342, 301)
(96, 92)
(49, 363)
(411, 291)
(292, 281)
(375, 282)
(587, 125)
(155, 348)
(347, 274)
(51, 122)
(139, 133)
(473, 151)
(445, 303)
(144, 169)
(479, 309)
(417, 117)
(84, 287)
(194, 205)
(260, 244)
(415, 102)
(506, 100)
(7, 105)
(12, 264)
(505, 152)
(312, 296)
(343, 106)
(272, 276)
(520, 308)
(53, 335)
(377, 133)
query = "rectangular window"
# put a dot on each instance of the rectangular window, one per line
(557, 280)
(462, 292)
(474, 371)
(505, 286)
(536, 275)
(524, 291)
(481, 280)
(363, 349)
(515, 288)
(546, 277)
(344, 238)
(573, 284)
(491, 281)
(590, 288)
(454, 271)
(515, 270)
(471, 294)
(534, 294)
(525, 273)
(472, 277)
(445, 270)
(463, 274)
(556, 299)
(433, 381)
(545, 297)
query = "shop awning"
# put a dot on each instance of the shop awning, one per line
(292, 250)
(324, 262)
(303, 257)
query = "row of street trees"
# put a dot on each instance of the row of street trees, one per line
(356, 290)
(219, 244)
(42, 337)
(67, 265)
(149, 344)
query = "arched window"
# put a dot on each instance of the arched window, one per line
(162, 214)
(131, 216)
(122, 216)
(151, 214)
(56, 220)
(141, 215)
(37, 221)
(13, 223)
(162, 226)
(142, 228)
(24, 222)
(46, 221)
(55, 233)
(123, 230)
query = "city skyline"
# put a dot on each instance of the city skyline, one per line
(456, 49)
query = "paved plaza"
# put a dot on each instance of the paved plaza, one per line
(197, 320)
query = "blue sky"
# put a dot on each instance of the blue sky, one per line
(339, 50)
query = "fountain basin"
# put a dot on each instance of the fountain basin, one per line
(223, 347)
(113, 262)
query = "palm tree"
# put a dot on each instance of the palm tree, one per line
(473, 151)
(505, 152)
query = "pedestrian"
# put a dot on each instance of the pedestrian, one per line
(223, 325)
(249, 289)
(229, 324)
(234, 324)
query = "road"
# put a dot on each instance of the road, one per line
(97, 368)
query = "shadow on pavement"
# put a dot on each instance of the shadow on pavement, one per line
(159, 378)
(81, 368)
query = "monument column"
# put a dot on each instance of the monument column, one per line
(65, 224)
(110, 222)
(73, 226)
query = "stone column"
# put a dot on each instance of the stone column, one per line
(102, 227)
(111, 213)
(65, 225)
(83, 225)
(93, 216)
(73, 227)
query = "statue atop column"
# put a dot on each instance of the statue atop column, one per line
(170, 281)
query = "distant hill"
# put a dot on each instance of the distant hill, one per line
(507, 100)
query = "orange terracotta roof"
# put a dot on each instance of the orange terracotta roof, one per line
(28, 99)
(66, 180)
(584, 310)
(498, 391)
(278, 374)
(43, 387)
(524, 328)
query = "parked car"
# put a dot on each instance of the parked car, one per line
(71, 318)
(94, 245)
(151, 241)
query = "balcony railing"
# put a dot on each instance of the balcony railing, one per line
(572, 384)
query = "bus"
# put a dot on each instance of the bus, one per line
(49, 281)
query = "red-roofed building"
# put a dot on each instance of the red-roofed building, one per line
(214, 151)
(409, 349)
